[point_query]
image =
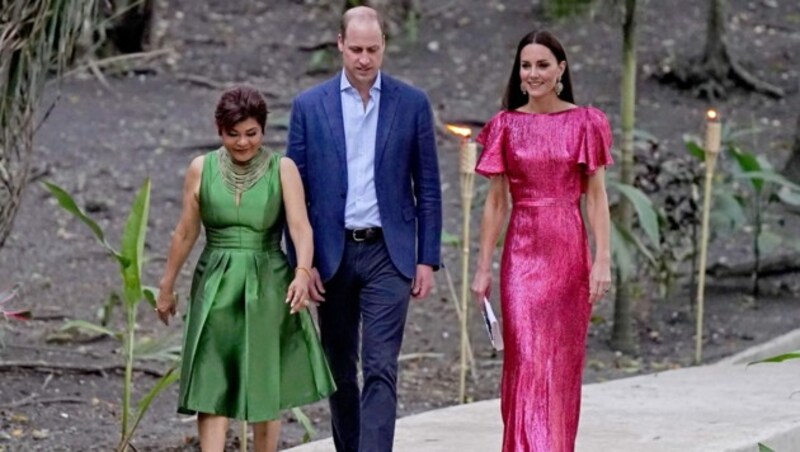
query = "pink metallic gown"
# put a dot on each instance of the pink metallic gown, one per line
(544, 275)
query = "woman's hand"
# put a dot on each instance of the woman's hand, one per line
(166, 305)
(297, 295)
(481, 286)
(599, 280)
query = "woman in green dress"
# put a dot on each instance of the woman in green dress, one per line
(250, 347)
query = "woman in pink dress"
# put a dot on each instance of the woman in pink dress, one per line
(545, 152)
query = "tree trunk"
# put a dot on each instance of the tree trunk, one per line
(716, 56)
(792, 168)
(622, 337)
(716, 72)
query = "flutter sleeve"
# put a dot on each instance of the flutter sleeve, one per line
(595, 144)
(492, 138)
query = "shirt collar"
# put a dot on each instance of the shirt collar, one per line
(344, 84)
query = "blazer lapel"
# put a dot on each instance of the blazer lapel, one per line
(386, 115)
(332, 103)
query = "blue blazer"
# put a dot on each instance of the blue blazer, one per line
(406, 173)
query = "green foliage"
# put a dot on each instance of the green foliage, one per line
(764, 448)
(778, 358)
(129, 258)
(449, 239)
(322, 61)
(743, 192)
(625, 244)
(304, 421)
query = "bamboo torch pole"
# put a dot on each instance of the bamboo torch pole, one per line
(712, 148)
(467, 166)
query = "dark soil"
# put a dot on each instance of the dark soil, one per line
(100, 144)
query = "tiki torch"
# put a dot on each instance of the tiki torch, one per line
(468, 155)
(712, 148)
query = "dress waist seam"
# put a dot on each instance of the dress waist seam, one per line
(547, 202)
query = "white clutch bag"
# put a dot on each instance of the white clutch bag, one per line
(492, 327)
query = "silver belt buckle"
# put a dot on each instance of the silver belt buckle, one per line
(355, 237)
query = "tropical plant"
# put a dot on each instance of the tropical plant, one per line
(767, 187)
(130, 258)
(37, 38)
(735, 207)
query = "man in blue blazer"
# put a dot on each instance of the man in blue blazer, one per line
(365, 147)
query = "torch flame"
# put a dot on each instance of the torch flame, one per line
(712, 115)
(463, 132)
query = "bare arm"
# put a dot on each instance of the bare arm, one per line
(300, 231)
(600, 225)
(495, 212)
(183, 239)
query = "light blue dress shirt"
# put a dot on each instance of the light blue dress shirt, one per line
(360, 131)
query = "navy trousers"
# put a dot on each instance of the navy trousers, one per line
(369, 291)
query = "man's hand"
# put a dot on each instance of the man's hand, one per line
(316, 290)
(423, 283)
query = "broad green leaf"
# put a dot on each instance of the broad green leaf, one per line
(151, 295)
(303, 420)
(778, 358)
(622, 253)
(162, 349)
(748, 163)
(733, 135)
(769, 241)
(449, 239)
(68, 203)
(83, 325)
(789, 197)
(727, 212)
(638, 246)
(648, 217)
(767, 176)
(764, 448)
(133, 244)
(696, 150)
(165, 382)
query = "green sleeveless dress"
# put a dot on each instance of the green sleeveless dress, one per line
(244, 356)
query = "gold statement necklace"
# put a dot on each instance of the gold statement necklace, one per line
(240, 177)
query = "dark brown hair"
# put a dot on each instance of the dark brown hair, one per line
(360, 12)
(239, 103)
(513, 97)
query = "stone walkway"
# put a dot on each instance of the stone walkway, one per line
(727, 406)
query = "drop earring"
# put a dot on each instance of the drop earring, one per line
(559, 87)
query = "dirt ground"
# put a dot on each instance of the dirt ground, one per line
(101, 143)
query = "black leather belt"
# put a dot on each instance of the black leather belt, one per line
(363, 235)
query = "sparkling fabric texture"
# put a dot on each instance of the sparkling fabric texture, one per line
(544, 276)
